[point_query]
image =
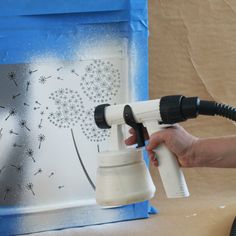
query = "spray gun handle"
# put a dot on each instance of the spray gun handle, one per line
(172, 176)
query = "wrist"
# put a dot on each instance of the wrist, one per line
(192, 153)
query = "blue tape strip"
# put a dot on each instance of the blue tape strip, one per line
(37, 7)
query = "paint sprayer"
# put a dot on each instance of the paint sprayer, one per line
(122, 175)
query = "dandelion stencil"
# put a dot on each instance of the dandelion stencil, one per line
(30, 154)
(12, 112)
(7, 191)
(59, 68)
(90, 130)
(52, 174)
(30, 187)
(19, 168)
(39, 171)
(32, 71)
(74, 72)
(40, 126)
(27, 85)
(15, 96)
(101, 81)
(68, 108)
(43, 79)
(23, 124)
(12, 77)
(41, 138)
(12, 132)
(17, 145)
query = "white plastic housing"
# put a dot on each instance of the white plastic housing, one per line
(143, 111)
(122, 178)
(172, 176)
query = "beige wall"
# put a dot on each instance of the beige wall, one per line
(192, 51)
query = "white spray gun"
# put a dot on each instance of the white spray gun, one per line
(122, 176)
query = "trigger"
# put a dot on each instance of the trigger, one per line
(138, 127)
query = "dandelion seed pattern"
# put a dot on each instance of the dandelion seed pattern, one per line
(69, 108)
(27, 85)
(43, 79)
(23, 124)
(39, 171)
(1, 132)
(40, 124)
(12, 77)
(12, 112)
(32, 71)
(90, 130)
(41, 138)
(74, 72)
(2, 107)
(30, 187)
(18, 168)
(52, 174)
(17, 145)
(101, 81)
(7, 191)
(30, 154)
(15, 96)
(12, 132)
(61, 186)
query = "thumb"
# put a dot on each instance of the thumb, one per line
(156, 139)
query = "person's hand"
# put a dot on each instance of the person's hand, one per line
(176, 139)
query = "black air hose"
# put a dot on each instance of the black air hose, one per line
(178, 108)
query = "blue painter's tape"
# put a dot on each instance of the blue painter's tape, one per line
(37, 7)
(35, 27)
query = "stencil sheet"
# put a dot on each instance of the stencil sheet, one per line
(48, 138)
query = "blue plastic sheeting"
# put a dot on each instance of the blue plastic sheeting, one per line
(33, 27)
(38, 7)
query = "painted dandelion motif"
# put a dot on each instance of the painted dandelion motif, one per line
(17, 145)
(30, 154)
(101, 81)
(32, 71)
(52, 174)
(68, 111)
(39, 171)
(90, 130)
(43, 79)
(19, 168)
(15, 96)
(30, 187)
(74, 72)
(12, 132)
(7, 191)
(41, 138)
(12, 112)
(68, 108)
(23, 124)
(40, 124)
(12, 77)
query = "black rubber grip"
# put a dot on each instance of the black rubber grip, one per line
(233, 228)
